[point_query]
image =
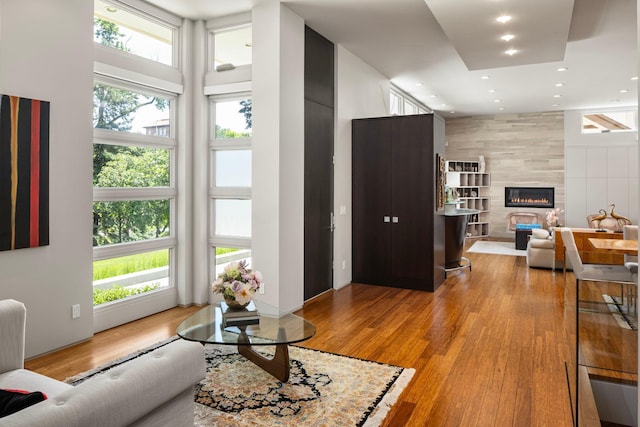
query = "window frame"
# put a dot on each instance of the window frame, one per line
(404, 98)
(607, 111)
(233, 193)
(211, 51)
(157, 16)
(116, 194)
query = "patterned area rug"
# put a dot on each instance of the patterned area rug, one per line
(324, 389)
(497, 248)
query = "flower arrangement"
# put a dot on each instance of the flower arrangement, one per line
(237, 283)
(553, 217)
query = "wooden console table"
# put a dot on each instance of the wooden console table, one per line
(585, 249)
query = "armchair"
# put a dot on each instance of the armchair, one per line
(541, 249)
(515, 218)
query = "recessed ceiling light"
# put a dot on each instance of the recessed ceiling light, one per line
(634, 78)
(492, 91)
(418, 84)
(511, 52)
(443, 105)
(555, 105)
(559, 84)
(500, 108)
(485, 77)
(557, 96)
(624, 90)
(507, 37)
(496, 100)
(503, 18)
(562, 69)
(111, 9)
(452, 112)
(433, 96)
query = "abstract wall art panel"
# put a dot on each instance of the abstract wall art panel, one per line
(24, 173)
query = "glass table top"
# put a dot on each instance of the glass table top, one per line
(206, 326)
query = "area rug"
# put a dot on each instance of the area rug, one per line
(496, 248)
(619, 312)
(324, 389)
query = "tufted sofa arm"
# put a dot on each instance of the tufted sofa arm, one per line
(153, 389)
(125, 395)
(12, 330)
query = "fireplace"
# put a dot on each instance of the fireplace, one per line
(529, 197)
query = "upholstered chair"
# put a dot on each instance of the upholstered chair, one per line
(541, 249)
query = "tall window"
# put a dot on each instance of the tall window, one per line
(133, 191)
(230, 161)
(134, 147)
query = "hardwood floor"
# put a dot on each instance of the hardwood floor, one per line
(489, 346)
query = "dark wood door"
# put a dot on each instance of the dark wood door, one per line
(412, 200)
(318, 163)
(318, 199)
(371, 201)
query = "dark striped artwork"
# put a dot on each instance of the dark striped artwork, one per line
(24, 173)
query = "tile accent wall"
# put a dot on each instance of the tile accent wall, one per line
(524, 150)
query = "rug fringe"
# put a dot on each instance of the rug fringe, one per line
(380, 413)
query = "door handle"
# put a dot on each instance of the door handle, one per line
(332, 225)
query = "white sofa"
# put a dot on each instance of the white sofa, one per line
(156, 389)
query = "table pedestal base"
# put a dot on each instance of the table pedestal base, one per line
(278, 365)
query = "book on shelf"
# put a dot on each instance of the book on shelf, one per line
(250, 311)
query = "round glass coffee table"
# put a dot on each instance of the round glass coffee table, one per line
(207, 327)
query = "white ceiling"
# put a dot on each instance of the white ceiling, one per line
(448, 45)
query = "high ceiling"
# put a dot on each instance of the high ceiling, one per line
(440, 50)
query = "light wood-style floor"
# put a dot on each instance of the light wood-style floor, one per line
(489, 346)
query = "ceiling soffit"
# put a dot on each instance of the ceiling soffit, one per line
(540, 29)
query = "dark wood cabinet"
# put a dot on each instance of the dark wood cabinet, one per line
(398, 233)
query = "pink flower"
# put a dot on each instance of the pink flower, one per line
(237, 281)
(237, 286)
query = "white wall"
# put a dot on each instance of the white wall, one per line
(361, 91)
(46, 52)
(278, 154)
(600, 169)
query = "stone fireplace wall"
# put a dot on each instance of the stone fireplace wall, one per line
(520, 150)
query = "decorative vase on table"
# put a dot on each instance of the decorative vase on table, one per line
(233, 303)
(237, 284)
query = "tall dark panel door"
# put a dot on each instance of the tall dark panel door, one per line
(412, 197)
(318, 164)
(398, 235)
(371, 225)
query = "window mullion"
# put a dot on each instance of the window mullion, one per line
(128, 248)
(116, 194)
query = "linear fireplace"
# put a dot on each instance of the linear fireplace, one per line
(529, 197)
